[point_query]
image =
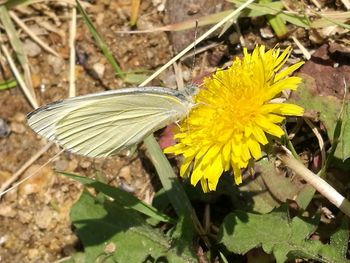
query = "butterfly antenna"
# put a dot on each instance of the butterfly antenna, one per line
(194, 50)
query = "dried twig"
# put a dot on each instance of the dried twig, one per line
(319, 138)
(72, 34)
(200, 39)
(305, 52)
(31, 34)
(24, 167)
(19, 79)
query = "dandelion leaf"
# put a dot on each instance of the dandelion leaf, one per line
(269, 188)
(329, 108)
(285, 238)
(111, 233)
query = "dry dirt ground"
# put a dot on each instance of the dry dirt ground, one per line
(34, 218)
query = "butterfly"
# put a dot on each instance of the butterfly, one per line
(105, 123)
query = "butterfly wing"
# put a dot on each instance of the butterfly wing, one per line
(102, 124)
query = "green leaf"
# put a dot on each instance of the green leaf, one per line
(123, 198)
(111, 233)
(276, 234)
(8, 84)
(329, 108)
(339, 240)
(12, 3)
(269, 189)
(16, 44)
(135, 78)
(274, 8)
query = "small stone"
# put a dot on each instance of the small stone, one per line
(24, 217)
(55, 245)
(4, 129)
(3, 239)
(56, 63)
(33, 253)
(19, 117)
(18, 127)
(61, 165)
(99, 69)
(26, 235)
(125, 173)
(7, 211)
(266, 33)
(85, 164)
(99, 18)
(41, 179)
(36, 80)
(43, 219)
(31, 48)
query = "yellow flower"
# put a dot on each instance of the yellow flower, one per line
(233, 114)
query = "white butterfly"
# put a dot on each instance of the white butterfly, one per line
(103, 124)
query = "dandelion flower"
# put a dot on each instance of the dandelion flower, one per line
(233, 115)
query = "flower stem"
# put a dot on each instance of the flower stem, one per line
(171, 184)
(315, 181)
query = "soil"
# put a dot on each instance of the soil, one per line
(34, 218)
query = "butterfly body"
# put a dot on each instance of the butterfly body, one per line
(105, 123)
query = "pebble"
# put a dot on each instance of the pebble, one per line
(19, 117)
(26, 234)
(266, 32)
(61, 165)
(125, 173)
(3, 240)
(7, 211)
(18, 128)
(36, 80)
(127, 188)
(33, 253)
(99, 69)
(56, 63)
(4, 129)
(39, 182)
(84, 164)
(43, 219)
(24, 217)
(31, 48)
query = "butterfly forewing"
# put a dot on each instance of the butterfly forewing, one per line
(105, 123)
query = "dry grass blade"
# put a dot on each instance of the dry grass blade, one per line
(331, 18)
(31, 34)
(24, 167)
(306, 53)
(72, 34)
(19, 79)
(17, 47)
(346, 3)
(319, 138)
(135, 8)
(200, 39)
(13, 3)
(188, 24)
